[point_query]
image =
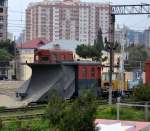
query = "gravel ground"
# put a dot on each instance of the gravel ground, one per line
(7, 93)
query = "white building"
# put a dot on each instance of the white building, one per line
(68, 19)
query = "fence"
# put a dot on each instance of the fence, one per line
(145, 106)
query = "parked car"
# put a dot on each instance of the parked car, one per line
(3, 77)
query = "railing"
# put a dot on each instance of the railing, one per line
(146, 107)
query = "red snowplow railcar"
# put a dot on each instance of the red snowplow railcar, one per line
(147, 71)
(52, 56)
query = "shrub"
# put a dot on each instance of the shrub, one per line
(1, 124)
(80, 115)
(142, 92)
(76, 116)
(55, 109)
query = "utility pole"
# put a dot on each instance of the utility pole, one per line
(15, 62)
(124, 41)
(111, 48)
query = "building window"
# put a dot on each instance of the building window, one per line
(84, 72)
(1, 18)
(93, 72)
(1, 10)
(1, 34)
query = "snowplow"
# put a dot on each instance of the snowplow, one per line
(56, 70)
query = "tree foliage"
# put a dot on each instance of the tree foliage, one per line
(1, 124)
(8, 45)
(92, 51)
(55, 109)
(6, 50)
(142, 93)
(80, 115)
(136, 58)
(99, 45)
(75, 116)
(5, 55)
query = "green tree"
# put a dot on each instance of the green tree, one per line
(80, 116)
(1, 125)
(4, 55)
(92, 51)
(98, 43)
(136, 58)
(8, 45)
(55, 110)
(6, 50)
(142, 93)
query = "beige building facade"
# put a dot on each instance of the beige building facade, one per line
(68, 19)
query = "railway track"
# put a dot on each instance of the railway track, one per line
(28, 108)
(23, 117)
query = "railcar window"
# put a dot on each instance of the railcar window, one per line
(92, 72)
(84, 72)
(44, 58)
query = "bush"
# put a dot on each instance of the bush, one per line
(1, 124)
(55, 109)
(76, 116)
(80, 115)
(2, 109)
(142, 93)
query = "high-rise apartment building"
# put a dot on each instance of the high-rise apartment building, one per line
(68, 19)
(147, 37)
(3, 19)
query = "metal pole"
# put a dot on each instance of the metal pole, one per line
(146, 112)
(124, 41)
(110, 78)
(15, 62)
(118, 108)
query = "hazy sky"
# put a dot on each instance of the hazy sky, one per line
(16, 15)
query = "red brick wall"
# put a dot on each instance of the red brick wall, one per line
(147, 71)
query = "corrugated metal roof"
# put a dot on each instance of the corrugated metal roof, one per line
(63, 44)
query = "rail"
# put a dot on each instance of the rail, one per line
(5, 110)
(23, 117)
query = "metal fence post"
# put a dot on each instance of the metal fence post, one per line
(146, 112)
(118, 108)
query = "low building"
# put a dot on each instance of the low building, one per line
(65, 45)
(26, 54)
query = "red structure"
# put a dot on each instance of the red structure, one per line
(52, 56)
(89, 71)
(147, 71)
(32, 44)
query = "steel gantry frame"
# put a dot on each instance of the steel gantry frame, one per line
(131, 9)
(114, 10)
